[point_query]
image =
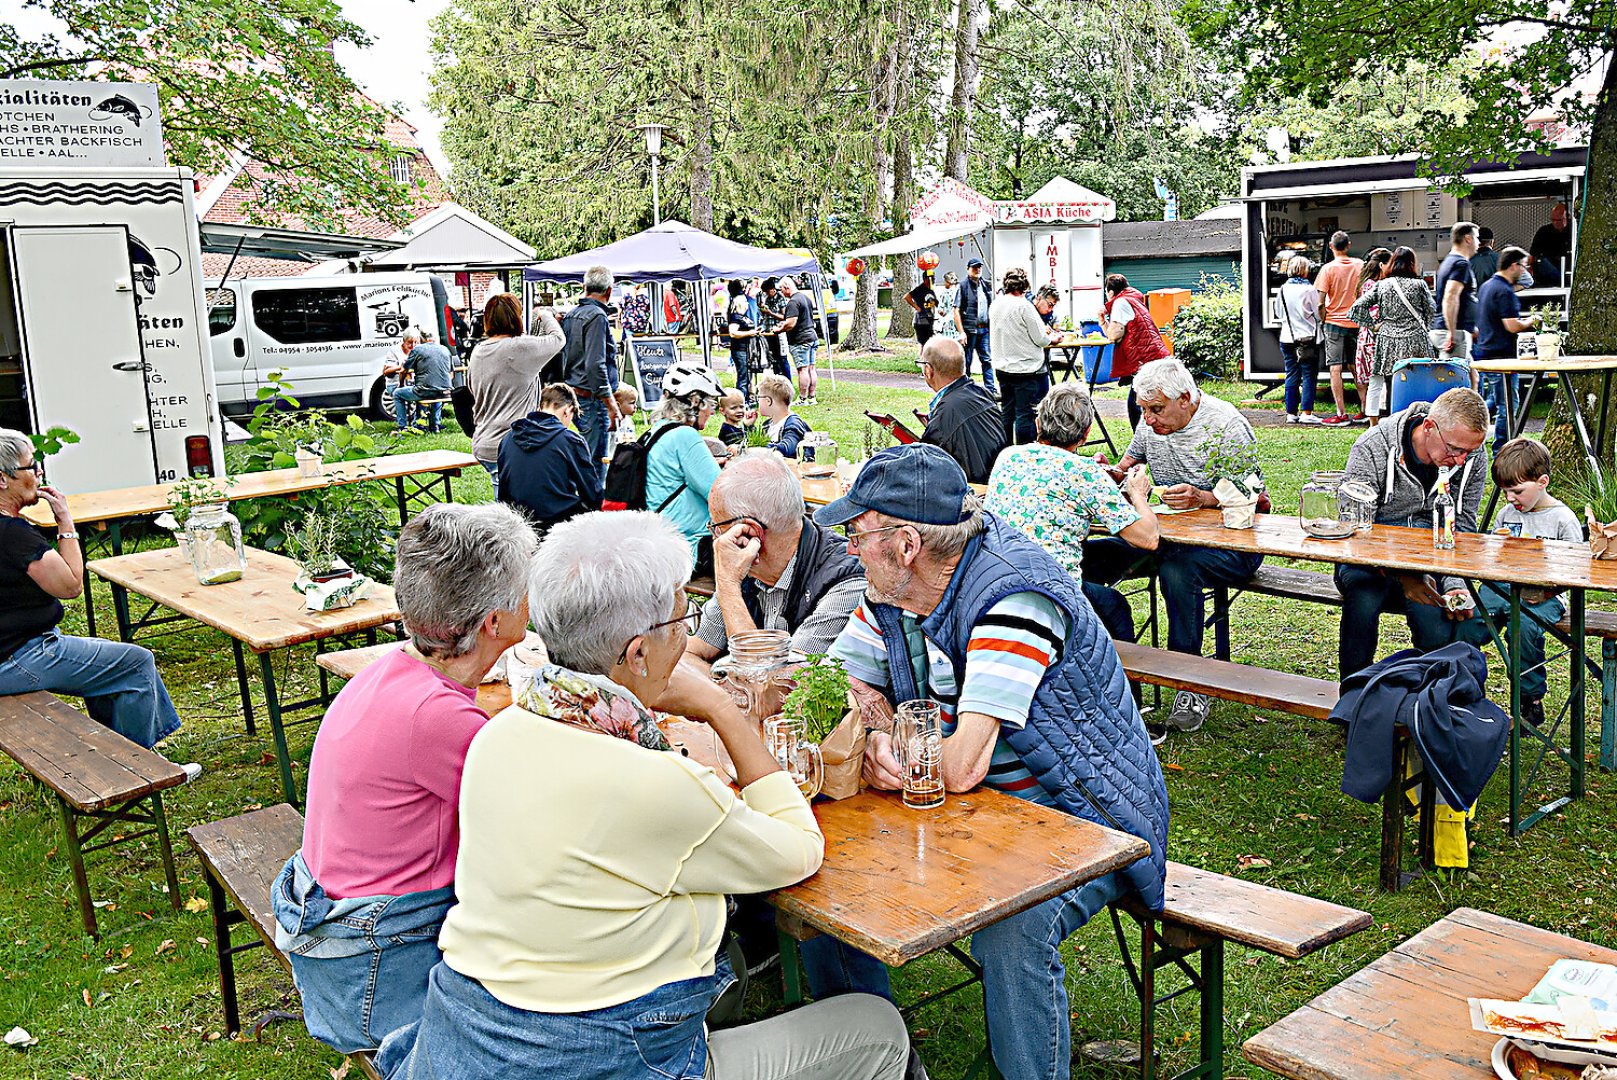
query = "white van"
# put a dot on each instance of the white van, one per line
(330, 336)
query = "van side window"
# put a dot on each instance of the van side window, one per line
(303, 316)
(221, 311)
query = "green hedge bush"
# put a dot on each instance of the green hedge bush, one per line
(1207, 331)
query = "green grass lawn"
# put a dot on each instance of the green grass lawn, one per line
(144, 1001)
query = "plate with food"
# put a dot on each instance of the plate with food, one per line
(1514, 1060)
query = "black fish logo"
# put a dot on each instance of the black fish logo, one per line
(118, 105)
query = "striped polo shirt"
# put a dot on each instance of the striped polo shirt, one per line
(1012, 646)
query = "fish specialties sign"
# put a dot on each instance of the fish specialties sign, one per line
(79, 123)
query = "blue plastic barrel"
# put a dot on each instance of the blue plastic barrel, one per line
(1425, 381)
(1097, 358)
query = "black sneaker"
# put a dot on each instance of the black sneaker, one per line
(1533, 711)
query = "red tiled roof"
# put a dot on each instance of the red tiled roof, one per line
(214, 264)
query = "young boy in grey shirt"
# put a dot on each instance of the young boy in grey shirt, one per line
(1521, 470)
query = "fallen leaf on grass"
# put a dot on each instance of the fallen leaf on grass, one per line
(342, 1070)
(86, 996)
(166, 946)
(196, 905)
(1175, 768)
(1251, 862)
(126, 952)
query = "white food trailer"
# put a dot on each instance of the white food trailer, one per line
(1054, 235)
(1293, 208)
(103, 328)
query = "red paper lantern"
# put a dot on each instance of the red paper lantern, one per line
(856, 266)
(928, 260)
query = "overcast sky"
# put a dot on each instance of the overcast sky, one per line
(393, 70)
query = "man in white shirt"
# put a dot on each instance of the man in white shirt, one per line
(1018, 339)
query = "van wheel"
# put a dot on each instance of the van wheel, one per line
(381, 402)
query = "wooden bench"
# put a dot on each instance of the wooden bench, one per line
(241, 857)
(95, 773)
(1319, 587)
(701, 586)
(1202, 911)
(1301, 695)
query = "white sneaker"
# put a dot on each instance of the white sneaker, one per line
(192, 771)
(1309, 419)
(1189, 712)
(1291, 418)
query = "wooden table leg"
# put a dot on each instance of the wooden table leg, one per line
(75, 858)
(219, 907)
(1579, 694)
(1608, 705)
(272, 705)
(160, 821)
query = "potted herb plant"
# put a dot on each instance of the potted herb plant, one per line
(820, 700)
(1549, 334)
(1238, 483)
(326, 581)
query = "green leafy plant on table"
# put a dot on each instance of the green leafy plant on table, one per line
(193, 492)
(1235, 461)
(278, 428)
(314, 545)
(757, 435)
(820, 698)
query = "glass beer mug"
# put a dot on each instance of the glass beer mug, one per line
(788, 743)
(918, 745)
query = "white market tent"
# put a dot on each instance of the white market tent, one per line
(675, 251)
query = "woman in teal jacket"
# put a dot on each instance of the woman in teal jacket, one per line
(680, 469)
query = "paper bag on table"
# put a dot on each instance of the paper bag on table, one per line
(843, 753)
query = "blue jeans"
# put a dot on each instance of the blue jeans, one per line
(1494, 388)
(466, 1033)
(976, 341)
(405, 400)
(1302, 380)
(1018, 400)
(1183, 572)
(1024, 980)
(1366, 593)
(493, 468)
(360, 964)
(1496, 602)
(591, 422)
(119, 683)
(1112, 609)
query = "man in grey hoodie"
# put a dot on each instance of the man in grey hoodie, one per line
(1402, 460)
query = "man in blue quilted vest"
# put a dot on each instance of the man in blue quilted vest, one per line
(1040, 709)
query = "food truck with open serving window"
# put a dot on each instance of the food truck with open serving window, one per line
(1293, 208)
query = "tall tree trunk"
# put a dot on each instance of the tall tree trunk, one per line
(864, 335)
(902, 324)
(963, 97)
(702, 136)
(1593, 327)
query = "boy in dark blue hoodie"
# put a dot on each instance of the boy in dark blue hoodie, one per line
(545, 467)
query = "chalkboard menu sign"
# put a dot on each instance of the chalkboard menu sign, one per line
(652, 357)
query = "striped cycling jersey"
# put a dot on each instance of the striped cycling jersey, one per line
(1012, 646)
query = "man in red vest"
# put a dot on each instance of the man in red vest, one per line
(1127, 321)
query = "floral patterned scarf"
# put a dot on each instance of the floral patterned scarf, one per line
(594, 703)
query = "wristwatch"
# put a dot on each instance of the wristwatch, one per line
(67, 536)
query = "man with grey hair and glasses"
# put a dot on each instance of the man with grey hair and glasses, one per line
(774, 567)
(966, 610)
(589, 363)
(1180, 430)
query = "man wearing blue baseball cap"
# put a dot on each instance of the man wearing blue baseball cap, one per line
(971, 303)
(1041, 710)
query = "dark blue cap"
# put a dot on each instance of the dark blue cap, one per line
(973, 262)
(918, 483)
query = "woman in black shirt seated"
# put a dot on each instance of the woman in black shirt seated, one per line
(119, 683)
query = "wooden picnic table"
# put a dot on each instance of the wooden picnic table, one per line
(106, 512)
(900, 883)
(819, 490)
(346, 663)
(1513, 561)
(261, 612)
(1567, 369)
(1406, 1013)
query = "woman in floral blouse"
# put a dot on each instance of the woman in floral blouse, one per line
(1403, 310)
(1055, 495)
(1375, 266)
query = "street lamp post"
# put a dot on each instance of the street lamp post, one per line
(654, 148)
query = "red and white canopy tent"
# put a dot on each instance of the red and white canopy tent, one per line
(1054, 235)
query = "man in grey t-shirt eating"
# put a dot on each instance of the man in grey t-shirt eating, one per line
(1177, 432)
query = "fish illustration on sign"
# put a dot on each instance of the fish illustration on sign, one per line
(118, 105)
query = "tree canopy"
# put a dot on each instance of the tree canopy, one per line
(236, 78)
